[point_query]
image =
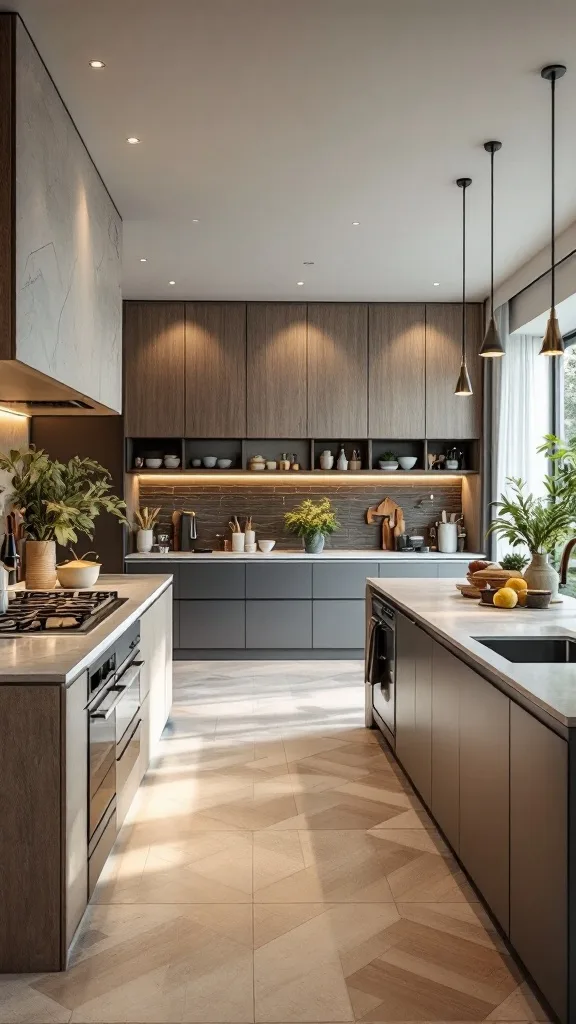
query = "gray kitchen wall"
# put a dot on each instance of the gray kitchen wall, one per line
(68, 244)
(214, 504)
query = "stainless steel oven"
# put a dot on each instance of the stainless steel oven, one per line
(113, 741)
(381, 667)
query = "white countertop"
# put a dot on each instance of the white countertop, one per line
(59, 659)
(437, 605)
(279, 555)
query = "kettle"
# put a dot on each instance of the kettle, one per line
(188, 531)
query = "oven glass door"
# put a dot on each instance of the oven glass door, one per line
(102, 763)
(128, 690)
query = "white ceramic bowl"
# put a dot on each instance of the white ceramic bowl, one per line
(209, 461)
(266, 546)
(77, 575)
(407, 461)
(388, 466)
(196, 463)
(224, 463)
(153, 463)
(171, 461)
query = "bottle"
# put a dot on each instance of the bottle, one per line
(295, 464)
(342, 460)
(9, 553)
(284, 461)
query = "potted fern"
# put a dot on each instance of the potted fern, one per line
(146, 519)
(56, 501)
(313, 521)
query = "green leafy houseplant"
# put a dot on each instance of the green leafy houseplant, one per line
(540, 524)
(313, 521)
(388, 457)
(515, 562)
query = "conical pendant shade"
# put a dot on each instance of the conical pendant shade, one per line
(492, 345)
(463, 386)
(553, 344)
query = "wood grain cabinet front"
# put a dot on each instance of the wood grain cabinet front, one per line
(215, 369)
(337, 369)
(397, 378)
(276, 370)
(154, 369)
(414, 703)
(445, 793)
(449, 415)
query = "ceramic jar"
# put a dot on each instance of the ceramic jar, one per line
(540, 575)
(40, 558)
(326, 459)
(314, 543)
(144, 540)
(238, 541)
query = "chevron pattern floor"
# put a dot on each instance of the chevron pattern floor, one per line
(278, 869)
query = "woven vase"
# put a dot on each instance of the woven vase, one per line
(40, 564)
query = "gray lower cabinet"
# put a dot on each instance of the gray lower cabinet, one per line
(342, 580)
(539, 854)
(414, 703)
(155, 568)
(278, 580)
(278, 624)
(445, 802)
(484, 789)
(408, 570)
(212, 625)
(212, 580)
(452, 570)
(338, 624)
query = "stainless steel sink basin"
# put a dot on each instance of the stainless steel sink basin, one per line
(532, 650)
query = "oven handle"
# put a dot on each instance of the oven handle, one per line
(131, 675)
(374, 623)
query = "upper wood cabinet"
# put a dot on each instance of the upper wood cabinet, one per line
(154, 369)
(397, 378)
(215, 369)
(337, 370)
(449, 415)
(276, 370)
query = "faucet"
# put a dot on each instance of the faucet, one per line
(565, 561)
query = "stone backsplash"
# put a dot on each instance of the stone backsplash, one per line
(214, 504)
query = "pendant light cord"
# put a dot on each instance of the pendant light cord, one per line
(464, 274)
(553, 203)
(492, 234)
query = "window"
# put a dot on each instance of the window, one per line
(568, 390)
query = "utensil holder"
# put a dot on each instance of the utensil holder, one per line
(238, 540)
(448, 538)
(249, 539)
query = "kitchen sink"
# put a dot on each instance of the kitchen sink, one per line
(559, 650)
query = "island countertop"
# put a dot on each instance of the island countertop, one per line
(437, 606)
(52, 658)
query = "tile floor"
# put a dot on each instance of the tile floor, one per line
(277, 868)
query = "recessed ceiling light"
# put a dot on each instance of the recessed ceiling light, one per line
(436, 284)
(97, 64)
(299, 283)
(133, 140)
(171, 282)
(143, 259)
(195, 220)
(308, 263)
(355, 223)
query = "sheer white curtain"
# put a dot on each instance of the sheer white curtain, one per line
(521, 412)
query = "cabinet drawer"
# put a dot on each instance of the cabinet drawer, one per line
(280, 580)
(343, 580)
(408, 570)
(154, 568)
(338, 624)
(278, 624)
(210, 581)
(212, 624)
(452, 570)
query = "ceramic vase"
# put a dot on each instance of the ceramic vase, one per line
(540, 575)
(40, 558)
(238, 540)
(326, 459)
(314, 543)
(144, 540)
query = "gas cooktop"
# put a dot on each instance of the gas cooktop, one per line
(37, 612)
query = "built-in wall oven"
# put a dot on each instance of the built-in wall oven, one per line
(381, 667)
(113, 741)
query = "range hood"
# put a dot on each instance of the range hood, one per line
(26, 390)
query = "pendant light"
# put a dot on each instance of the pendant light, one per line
(463, 385)
(492, 346)
(553, 345)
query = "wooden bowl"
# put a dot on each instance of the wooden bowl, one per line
(468, 590)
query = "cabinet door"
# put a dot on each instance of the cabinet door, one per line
(276, 370)
(396, 383)
(445, 802)
(453, 570)
(76, 849)
(408, 570)
(539, 853)
(278, 580)
(154, 369)
(345, 579)
(212, 625)
(484, 789)
(337, 369)
(154, 568)
(405, 691)
(215, 369)
(422, 752)
(448, 415)
(209, 580)
(279, 625)
(338, 625)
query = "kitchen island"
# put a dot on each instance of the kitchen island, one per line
(481, 714)
(68, 777)
(286, 604)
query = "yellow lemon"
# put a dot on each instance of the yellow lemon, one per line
(506, 598)
(516, 584)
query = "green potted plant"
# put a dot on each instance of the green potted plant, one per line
(540, 524)
(388, 461)
(314, 521)
(56, 501)
(146, 519)
(515, 562)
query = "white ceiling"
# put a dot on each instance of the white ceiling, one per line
(277, 124)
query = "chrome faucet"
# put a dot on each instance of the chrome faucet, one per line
(565, 561)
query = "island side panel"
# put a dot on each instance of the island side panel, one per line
(30, 832)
